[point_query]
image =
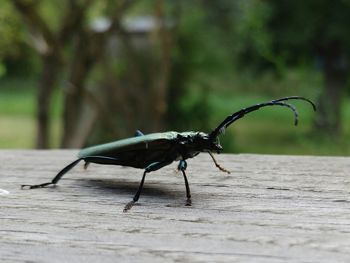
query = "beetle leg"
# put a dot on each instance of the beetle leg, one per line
(137, 195)
(55, 179)
(138, 133)
(86, 165)
(87, 159)
(182, 167)
(152, 167)
(217, 164)
(30, 186)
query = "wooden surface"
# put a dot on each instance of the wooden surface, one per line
(270, 209)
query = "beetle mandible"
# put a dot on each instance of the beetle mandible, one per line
(154, 151)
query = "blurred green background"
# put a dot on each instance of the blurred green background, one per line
(76, 73)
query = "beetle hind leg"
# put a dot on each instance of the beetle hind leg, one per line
(33, 186)
(55, 179)
(182, 167)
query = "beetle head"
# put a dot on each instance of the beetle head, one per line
(200, 141)
(196, 142)
(212, 144)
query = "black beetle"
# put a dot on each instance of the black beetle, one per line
(154, 151)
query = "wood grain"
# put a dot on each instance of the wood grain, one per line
(269, 209)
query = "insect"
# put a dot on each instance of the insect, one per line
(154, 151)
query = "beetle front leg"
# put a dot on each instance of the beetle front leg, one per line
(182, 167)
(217, 164)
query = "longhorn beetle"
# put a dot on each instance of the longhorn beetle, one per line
(154, 151)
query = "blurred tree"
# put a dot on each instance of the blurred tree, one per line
(281, 33)
(128, 89)
(12, 37)
(317, 30)
(161, 76)
(202, 54)
(67, 39)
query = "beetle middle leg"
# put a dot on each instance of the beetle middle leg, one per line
(182, 167)
(137, 195)
(152, 167)
(86, 165)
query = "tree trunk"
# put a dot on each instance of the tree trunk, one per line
(46, 88)
(74, 91)
(73, 102)
(161, 84)
(328, 118)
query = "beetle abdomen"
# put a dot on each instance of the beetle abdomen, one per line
(138, 152)
(149, 141)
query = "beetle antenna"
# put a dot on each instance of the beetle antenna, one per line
(241, 113)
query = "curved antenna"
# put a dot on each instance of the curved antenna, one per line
(241, 113)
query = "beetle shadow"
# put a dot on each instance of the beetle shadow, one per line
(129, 188)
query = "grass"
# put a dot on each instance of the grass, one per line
(17, 97)
(17, 114)
(269, 131)
(266, 137)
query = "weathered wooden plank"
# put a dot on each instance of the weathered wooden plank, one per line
(270, 209)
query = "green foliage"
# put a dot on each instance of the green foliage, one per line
(305, 26)
(254, 42)
(17, 97)
(17, 109)
(201, 57)
(10, 30)
(2, 69)
(11, 35)
(16, 57)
